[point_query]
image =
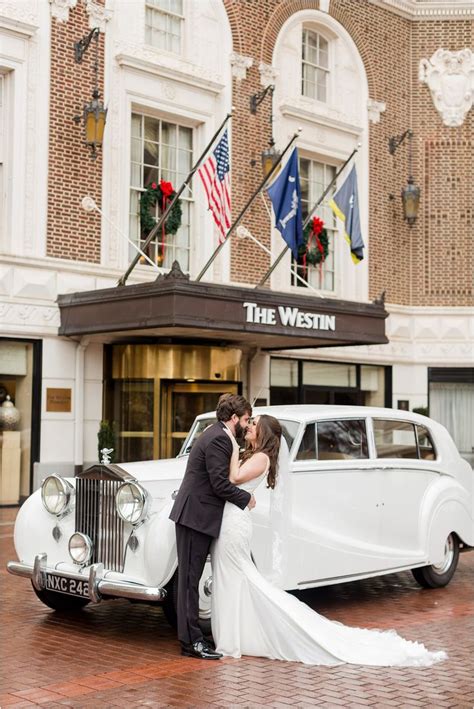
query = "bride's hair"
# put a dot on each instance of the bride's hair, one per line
(268, 435)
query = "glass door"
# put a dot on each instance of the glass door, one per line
(181, 403)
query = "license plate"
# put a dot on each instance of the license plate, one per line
(62, 584)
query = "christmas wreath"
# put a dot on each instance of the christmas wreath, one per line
(162, 193)
(315, 246)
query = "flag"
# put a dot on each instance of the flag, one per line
(215, 177)
(285, 194)
(345, 205)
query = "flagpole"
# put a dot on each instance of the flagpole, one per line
(170, 206)
(306, 221)
(235, 224)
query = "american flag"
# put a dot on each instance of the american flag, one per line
(215, 177)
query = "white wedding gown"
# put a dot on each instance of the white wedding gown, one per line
(250, 616)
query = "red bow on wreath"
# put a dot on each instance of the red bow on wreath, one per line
(315, 253)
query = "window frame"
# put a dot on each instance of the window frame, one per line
(367, 423)
(149, 5)
(317, 31)
(396, 420)
(188, 195)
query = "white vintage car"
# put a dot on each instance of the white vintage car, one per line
(370, 491)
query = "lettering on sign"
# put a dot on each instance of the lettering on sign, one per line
(58, 400)
(288, 317)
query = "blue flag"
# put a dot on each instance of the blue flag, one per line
(345, 205)
(285, 194)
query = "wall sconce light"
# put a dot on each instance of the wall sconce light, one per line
(270, 155)
(94, 114)
(411, 192)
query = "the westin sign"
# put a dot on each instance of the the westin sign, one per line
(288, 317)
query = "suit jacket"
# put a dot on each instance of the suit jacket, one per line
(206, 486)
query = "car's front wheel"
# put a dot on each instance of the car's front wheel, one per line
(170, 604)
(60, 601)
(438, 575)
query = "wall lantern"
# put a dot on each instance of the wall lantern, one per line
(410, 193)
(270, 155)
(94, 114)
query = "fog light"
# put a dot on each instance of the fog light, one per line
(80, 548)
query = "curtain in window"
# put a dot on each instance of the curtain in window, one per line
(453, 406)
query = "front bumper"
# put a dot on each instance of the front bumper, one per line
(98, 587)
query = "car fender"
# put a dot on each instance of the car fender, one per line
(446, 508)
(33, 532)
(154, 560)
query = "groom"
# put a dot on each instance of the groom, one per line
(198, 511)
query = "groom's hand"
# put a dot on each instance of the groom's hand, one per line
(252, 503)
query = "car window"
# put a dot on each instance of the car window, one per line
(195, 432)
(307, 448)
(289, 431)
(425, 443)
(341, 440)
(395, 439)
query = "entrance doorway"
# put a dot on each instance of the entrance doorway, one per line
(181, 403)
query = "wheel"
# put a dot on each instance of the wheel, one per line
(170, 604)
(438, 575)
(60, 601)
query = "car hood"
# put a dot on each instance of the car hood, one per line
(155, 470)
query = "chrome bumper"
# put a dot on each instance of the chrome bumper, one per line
(98, 586)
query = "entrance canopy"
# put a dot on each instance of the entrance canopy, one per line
(175, 307)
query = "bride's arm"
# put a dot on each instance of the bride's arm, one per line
(252, 468)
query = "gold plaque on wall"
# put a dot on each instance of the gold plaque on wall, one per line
(58, 400)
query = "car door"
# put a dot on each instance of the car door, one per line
(407, 469)
(336, 504)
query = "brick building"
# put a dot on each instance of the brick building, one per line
(151, 354)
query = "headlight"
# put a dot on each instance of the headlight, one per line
(80, 548)
(56, 494)
(131, 502)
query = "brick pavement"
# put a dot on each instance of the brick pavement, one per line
(119, 654)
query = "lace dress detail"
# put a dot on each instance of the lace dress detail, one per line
(250, 616)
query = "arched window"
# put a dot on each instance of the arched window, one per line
(315, 66)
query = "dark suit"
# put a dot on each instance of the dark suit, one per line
(197, 512)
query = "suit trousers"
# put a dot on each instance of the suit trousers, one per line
(193, 548)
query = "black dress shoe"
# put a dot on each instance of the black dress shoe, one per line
(201, 650)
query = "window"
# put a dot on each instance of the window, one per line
(160, 151)
(342, 440)
(334, 440)
(315, 66)
(164, 24)
(395, 439)
(314, 179)
(289, 430)
(426, 448)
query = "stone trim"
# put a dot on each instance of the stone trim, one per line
(429, 10)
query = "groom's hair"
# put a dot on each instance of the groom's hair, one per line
(230, 404)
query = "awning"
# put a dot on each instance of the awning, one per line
(174, 307)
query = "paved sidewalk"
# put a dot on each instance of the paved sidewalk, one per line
(119, 654)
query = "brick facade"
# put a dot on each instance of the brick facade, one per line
(430, 263)
(72, 233)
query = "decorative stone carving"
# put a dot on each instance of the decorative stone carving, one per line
(175, 274)
(324, 5)
(60, 9)
(240, 64)
(268, 74)
(450, 77)
(98, 15)
(374, 109)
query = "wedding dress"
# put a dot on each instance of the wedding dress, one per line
(250, 616)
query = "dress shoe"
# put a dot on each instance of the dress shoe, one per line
(201, 650)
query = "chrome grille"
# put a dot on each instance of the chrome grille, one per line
(97, 517)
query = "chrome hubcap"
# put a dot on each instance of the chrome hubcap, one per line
(447, 560)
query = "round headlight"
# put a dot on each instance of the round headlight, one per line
(131, 501)
(56, 494)
(80, 548)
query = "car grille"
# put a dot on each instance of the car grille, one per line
(97, 517)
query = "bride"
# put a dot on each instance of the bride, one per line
(250, 616)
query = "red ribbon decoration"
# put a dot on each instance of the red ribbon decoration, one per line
(317, 225)
(166, 191)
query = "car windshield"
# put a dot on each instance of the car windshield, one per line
(290, 429)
